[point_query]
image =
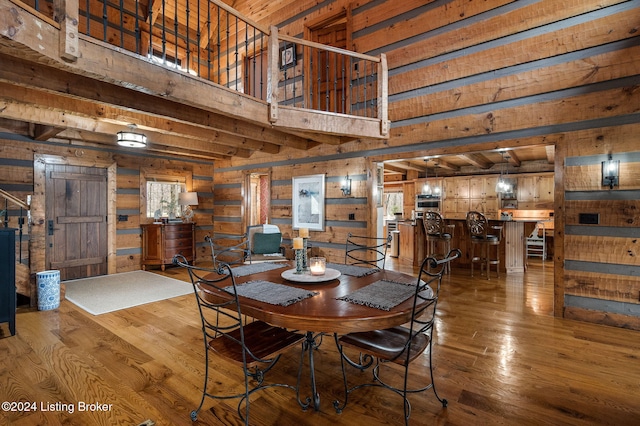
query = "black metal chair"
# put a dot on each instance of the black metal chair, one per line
(486, 237)
(370, 251)
(231, 249)
(255, 346)
(399, 345)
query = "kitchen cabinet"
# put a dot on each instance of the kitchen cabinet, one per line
(412, 242)
(161, 242)
(535, 192)
(483, 196)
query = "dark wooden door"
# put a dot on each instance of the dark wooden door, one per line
(331, 71)
(76, 220)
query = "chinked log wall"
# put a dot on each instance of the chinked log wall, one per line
(17, 177)
(470, 76)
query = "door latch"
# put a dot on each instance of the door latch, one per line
(50, 227)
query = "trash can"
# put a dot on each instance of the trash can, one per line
(48, 290)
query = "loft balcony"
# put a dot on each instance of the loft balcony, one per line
(194, 75)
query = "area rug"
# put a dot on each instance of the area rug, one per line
(108, 293)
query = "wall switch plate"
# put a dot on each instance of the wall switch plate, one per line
(123, 218)
(352, 216)
(589, 218)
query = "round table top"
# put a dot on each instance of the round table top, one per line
(323, 312)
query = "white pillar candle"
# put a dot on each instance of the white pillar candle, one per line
(297, 243)
(317, 265)
(304, 232)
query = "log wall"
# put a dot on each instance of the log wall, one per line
(17, 177)
(469, 76)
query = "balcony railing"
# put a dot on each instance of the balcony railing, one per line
(210, 40)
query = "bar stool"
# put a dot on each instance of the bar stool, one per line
(478, 227)
(434, 229)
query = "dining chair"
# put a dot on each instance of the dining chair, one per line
(485, 236)
(370, 251)
(399, 345)
(255, 346)
(231, 249)
(435, 230)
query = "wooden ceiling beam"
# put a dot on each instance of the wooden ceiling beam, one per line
(122, 117)
(28, 74)
(512, 158)
(477, 160)
(551, 153)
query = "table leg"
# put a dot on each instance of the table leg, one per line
(310, 344)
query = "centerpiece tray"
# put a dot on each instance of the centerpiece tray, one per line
(306, 277)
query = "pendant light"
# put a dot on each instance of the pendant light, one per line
(504, 186)
(426, 189)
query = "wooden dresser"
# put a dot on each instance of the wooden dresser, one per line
(160, 242)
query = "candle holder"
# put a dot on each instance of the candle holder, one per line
(317, 265)
(299, 260)
(305, 259)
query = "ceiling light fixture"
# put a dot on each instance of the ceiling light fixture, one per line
(132, 139)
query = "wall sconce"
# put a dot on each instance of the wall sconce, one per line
(346, 186)
(610, 172)
(132, 139)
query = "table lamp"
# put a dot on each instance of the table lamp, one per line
(188, 199)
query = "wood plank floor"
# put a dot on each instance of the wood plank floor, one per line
(500, 358)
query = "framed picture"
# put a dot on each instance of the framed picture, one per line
(308, 202)
(287, 56)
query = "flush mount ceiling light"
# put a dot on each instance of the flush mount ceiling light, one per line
(132, 139)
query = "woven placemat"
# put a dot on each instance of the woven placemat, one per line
(381, 294)
(353, 270)
(272, 293)
(256, 268)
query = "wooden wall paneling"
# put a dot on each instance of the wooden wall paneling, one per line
(604, 140)
(621, 288)
(495, 27)
(610, 65)
(611, 212)
(602, 249)
(591, 106)
(594, 32)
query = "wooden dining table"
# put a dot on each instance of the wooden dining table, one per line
(324, 313)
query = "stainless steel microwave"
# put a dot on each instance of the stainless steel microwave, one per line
(427, 202)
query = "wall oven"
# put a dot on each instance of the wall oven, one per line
(427, 202)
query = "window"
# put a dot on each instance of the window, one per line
(159, 193)
(162, 199)
(393, 204)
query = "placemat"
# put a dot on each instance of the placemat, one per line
(381, 294)
(256, 268)
(272, 293)
(353, 270)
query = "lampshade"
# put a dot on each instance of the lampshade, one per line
(188, 198)
(132, 139)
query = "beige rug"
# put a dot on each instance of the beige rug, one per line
(108, 293)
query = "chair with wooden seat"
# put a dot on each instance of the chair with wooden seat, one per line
(230, 249)
(399, 345)
(436, 234)
(255, 346)
(363, 251)
(537, 243)
(485, 237)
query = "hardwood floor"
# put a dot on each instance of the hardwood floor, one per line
(500, 358)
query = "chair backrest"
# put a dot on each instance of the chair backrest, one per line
(433, 223)
(230, 249)
(477, 224)
(425, 301)
(218, 319)
(264, 239)
(366, 250)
